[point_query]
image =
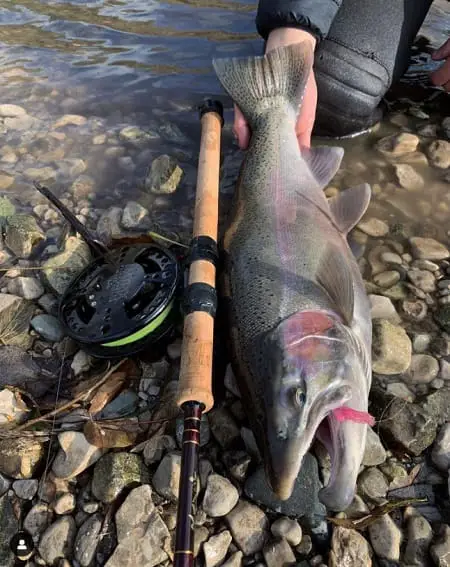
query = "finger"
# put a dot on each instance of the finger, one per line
(305, 122)
(442, 52)
(441, 75)
(241, 129)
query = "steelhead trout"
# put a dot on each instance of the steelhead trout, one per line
(299, 314)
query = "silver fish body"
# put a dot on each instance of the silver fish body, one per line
(299, 315)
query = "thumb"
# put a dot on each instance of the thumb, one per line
(442, 52)
(241, 129)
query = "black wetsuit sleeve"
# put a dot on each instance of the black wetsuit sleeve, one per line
(315, 16)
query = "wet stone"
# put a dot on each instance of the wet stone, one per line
(441, 449)
(408, 177)
(223, 427)
(87, 540)
(387, 279)
(400, 390)
(288, 529)
(26, 287)
(304, 501)
(439, 153)
(20, 457)
(423, 279)
(374, 227)
(8, 528)
(61, 269)
(391, 348)
(249, 526)
(220, 496)
(385, 538)
(164, 176)
(26, 489)
(135, 216)
(48, 327)
(64, 504)
(278, 553)
(419, 536)
(166, 480)
(398, 144)
(440, 549)
(414, 310)
(305, 547)
(349, 548)
(6, 181)
(5, 484)
(215, 549)
(372, 484)
(22, 235)
(116, 471)
(374, 454)
(57, 540)
(75, 455)
(423, 370)
(428, 249)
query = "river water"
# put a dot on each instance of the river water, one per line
(147, 63)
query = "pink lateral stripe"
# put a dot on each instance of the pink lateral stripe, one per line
(349, 414)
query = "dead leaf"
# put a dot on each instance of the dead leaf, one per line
(367, 519)
(108, 438)
(107, 392)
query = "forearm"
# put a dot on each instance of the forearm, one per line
(313, 16)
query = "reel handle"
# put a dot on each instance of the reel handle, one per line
(195, 382)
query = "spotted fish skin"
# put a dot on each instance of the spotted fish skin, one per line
(299, 316)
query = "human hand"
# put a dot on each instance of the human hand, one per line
(441, 77)
(305, 122)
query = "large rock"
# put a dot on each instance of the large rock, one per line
(75, 455)
(22, 235)
(15, 316)
(391, 348)
(8, 528)
(19, 369)
(374, 453)
(428, 249)
(349, 549)
(408, 177)
(166, 480)
(164, 176)
(216, 548)
(249, 526)
(144, 545)
(419, 536)
(398, 144)
(116, 471)
(405, 426)
(87, 540)
(220, 496)
(304, 501)
(441, 450)
(424, 369)
(57, 540)
(60, 270)
(439, 153)
(134, 512)
(278, 553)
(20, 457)
(386, 538)
(440, 550)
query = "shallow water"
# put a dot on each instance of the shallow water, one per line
(148, 64)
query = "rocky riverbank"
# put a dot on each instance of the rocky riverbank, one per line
(97, 483)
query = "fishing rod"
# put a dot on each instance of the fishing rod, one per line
(195, 383)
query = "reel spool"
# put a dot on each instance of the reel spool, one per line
(123, 303)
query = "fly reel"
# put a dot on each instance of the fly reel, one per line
(123, 303)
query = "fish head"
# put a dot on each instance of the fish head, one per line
(313, 371)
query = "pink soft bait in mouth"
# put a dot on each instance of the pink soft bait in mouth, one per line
(349, 414)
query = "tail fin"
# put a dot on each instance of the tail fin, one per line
(258, 83)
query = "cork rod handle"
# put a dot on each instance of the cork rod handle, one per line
(195, 382)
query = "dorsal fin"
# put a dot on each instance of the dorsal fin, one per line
(335, 277)
(350, 206)
(323, 161)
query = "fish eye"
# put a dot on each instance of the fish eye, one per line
(300, 397)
